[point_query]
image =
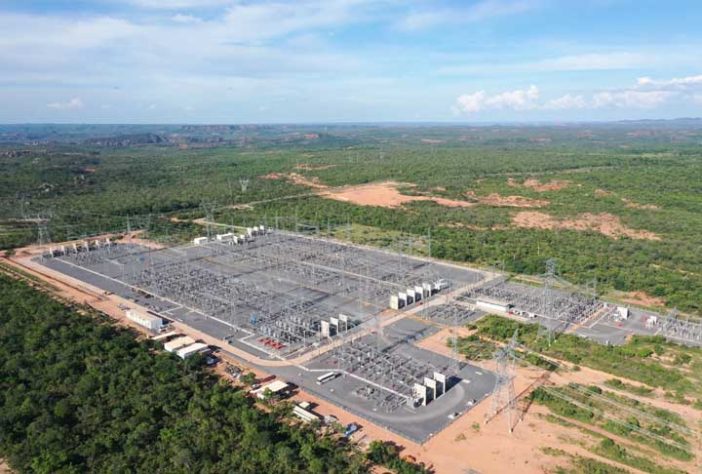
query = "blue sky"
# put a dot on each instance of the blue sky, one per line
(229, 61)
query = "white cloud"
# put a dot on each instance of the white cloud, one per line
(471, 103)
(578, 62)
(19, 31)
(482, 10)
(520, 99)
(566, 102)
(646, 94)
(681, 83)
(233, 55)
(630, 99)
(259, 21)
(74, 103)
(516, 99)
(177, 4)
(181, 18)
(593, 62)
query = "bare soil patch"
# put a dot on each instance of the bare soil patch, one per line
(273, 175)
(309, 182)
(536, 185)
(553, 185)
(497, 200)
(602, 193)
(385, 194)
(136, 238)
(309, 167)
(604, 223)
(635, 205)
(297, 178)
(642, 298)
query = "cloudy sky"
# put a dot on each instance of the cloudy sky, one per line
(230, 61)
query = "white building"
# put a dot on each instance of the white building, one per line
(149, 321)
(303, 412)
(225, 237)
(192, 349)
(276, 387)
(492, 305)
(177, 343)
(200, 240)
(623, 312)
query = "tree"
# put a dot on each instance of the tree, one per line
(248, 378)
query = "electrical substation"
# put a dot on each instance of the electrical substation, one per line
(341, 320)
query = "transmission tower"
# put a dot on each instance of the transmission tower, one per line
(549, 279)
(244, 183)
(545, 330)
(456, 366)
(503, 398)
(43, 236)
(208, 208)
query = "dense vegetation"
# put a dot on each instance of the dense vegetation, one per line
(473, 347)
(387, 454)
(612, 450)
(88, 188)
(650, 360)
(78, 395)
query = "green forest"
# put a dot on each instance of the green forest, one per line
(79, 395)
(648, 178)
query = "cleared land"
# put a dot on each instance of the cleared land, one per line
(603, 223)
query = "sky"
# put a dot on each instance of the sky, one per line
(278, 61)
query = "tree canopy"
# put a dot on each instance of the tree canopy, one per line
(78, 394)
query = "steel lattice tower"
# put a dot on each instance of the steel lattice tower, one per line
(503, 398)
